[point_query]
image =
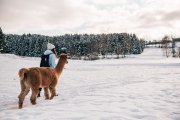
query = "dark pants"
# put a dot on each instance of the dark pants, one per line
(39, 92)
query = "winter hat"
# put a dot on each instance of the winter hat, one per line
(50, 46)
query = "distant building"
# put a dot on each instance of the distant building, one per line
(176, 47)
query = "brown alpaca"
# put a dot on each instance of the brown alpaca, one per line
(36, 77)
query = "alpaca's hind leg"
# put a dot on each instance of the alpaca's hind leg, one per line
(24, 91)
(46, 93)
(34, 95)
(22, 97)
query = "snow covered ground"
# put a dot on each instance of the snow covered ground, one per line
(145, 87)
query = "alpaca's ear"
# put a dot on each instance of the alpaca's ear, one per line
(58, 56)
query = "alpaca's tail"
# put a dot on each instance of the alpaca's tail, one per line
(23, 73)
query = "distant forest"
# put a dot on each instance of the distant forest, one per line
(76, 45)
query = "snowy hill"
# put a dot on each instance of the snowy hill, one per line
(145, 87)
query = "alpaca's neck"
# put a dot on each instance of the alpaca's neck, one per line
(59, 67)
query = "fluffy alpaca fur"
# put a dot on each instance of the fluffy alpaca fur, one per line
(36, 77)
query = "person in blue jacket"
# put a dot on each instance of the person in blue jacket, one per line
(51, 51)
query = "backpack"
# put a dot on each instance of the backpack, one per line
(45, 61)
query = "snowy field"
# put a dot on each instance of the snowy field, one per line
(139, 87)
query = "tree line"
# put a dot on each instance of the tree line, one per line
(78, 45)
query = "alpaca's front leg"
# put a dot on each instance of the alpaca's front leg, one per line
(46, 93)
(52, 88)
(34, 95)
(53, 92)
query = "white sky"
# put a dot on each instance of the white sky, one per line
(149, 19)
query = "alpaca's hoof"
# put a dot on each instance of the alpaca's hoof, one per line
(20, 105)
(51, 98)
(46, 98)
(33, 103)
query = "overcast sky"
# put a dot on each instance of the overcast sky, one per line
(150, 19)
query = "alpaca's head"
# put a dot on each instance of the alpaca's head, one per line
(63, 57)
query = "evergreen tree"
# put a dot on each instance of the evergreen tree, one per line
(2, 40)
(76, 45)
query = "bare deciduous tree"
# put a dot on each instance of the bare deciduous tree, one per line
(166, 45)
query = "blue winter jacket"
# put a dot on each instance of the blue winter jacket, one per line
(52, 58)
